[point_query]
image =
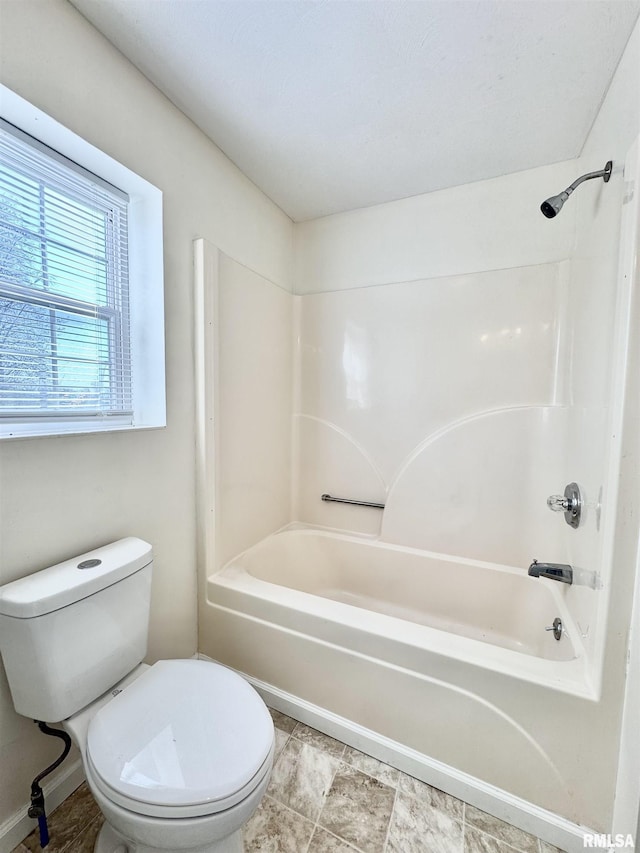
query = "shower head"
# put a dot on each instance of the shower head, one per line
(553, 205)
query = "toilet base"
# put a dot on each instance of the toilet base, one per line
(109, 841)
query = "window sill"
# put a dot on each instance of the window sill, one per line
(15, 432)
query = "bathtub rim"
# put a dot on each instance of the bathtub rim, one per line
(233, 588)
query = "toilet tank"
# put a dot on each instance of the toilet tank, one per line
(70, 632)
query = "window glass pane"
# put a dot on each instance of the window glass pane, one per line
(20, 261)
(76, 274)
(26, 370)
(51, 241)
(19, 197)
(20, 258)
(82, 362)
(53, 358)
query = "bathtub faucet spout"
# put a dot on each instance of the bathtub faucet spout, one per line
(554, 571)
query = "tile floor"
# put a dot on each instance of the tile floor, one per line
(325, 797)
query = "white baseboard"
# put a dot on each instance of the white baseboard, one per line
(16, 828)
(544, 824)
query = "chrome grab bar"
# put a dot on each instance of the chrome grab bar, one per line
(350, 501)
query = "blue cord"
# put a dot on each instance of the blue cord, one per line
(44, 830)
(37, 807)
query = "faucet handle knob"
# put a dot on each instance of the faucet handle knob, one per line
(570, 504)
(558, 503)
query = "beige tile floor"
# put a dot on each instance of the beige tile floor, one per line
(325, 797)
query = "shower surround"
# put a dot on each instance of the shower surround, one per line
(459, 358)
(442, 397)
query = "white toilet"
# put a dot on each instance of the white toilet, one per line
(178, 754)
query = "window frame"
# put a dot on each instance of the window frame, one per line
(146, 285)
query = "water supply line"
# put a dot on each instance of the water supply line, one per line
(37, 807)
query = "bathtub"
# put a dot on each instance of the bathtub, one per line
(492, 616)
(424, 649)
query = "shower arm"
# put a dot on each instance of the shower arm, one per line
(605, 174)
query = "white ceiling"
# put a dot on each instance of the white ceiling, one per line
(330, 105)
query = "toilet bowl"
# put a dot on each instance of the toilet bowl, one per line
(178, 754)
(178, 759)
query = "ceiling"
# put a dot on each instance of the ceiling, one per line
(331, 105)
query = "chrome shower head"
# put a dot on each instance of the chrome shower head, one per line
(553, 205)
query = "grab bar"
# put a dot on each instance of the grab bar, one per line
(350, 501)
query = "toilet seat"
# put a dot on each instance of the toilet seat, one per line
(188, 738)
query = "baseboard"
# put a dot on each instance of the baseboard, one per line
(551, 827)
(16, 828)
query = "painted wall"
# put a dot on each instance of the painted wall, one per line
(61, 496)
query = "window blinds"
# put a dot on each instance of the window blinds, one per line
(64, 299)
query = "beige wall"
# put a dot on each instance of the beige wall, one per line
(61, 496)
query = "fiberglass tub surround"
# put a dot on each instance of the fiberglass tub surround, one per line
(451, 398)
(424, 395)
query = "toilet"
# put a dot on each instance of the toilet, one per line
(178, 754)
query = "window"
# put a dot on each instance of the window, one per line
(64, 307)
(81, 320)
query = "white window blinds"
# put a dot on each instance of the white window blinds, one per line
(64, 298)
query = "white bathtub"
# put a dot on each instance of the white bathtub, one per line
(448, 657)
(489, 615)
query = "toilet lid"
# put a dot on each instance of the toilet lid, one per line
(186, 732)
